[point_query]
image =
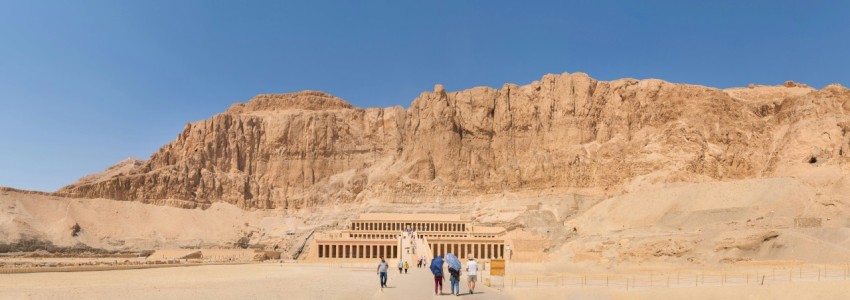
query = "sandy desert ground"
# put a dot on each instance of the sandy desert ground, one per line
(353, 281)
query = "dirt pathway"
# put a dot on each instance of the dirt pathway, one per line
(418, 283)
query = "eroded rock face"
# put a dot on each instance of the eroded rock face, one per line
(569, 130)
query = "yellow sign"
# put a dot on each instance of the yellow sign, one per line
(497, 267)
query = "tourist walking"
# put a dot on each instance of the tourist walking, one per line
(437, 270)
(454, 279)
(382, 272)
(400, 266)
(454, 271)
(405, 267)
(471, 274)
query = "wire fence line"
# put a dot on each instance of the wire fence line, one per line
(674, 279)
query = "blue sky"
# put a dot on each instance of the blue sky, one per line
(85, 84)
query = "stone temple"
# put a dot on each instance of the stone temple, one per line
(411, 236)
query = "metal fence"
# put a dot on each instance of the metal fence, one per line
(674, 279)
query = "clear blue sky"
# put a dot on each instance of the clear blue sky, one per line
(85, 84)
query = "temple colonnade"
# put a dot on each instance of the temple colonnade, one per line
(462, 249)
(448, 226)
(343, 250)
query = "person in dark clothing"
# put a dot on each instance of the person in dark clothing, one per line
(437, 270)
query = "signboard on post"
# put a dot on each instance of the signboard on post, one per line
(497, 267)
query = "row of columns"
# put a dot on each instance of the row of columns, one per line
(439, 235)
(399, 226)
(462, 250)
(357, 251)
(374, 236)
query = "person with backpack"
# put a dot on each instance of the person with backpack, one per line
(454, 279)
(437, 270)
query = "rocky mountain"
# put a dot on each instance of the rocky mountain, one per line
(120, 168)
(564, 131)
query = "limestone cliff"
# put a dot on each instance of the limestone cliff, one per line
(313, 149)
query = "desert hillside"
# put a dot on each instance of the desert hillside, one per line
(564, 131)
(579, 170)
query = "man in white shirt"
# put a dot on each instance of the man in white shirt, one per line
(471, 274)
